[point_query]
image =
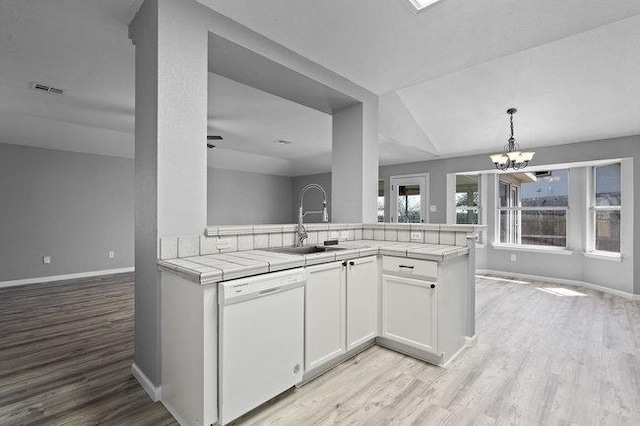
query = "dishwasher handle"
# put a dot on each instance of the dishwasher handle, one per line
(226, 301)
(270, 290)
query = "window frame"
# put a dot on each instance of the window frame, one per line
(477, 209)
(514, 232)
(593, 210)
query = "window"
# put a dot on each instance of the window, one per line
(532, 208)
(467, 199)
(381, 201)
(606, 204)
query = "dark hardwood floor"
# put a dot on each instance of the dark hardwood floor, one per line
(66, 350)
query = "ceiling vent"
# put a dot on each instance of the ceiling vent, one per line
(44, 88)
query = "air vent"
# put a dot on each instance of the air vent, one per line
(44, 88)
(215, 138)
(283, 142)
(542, 174)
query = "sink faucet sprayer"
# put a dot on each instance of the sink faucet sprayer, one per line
(302, 233)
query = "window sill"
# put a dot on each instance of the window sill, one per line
(534, 249)
(604, 255)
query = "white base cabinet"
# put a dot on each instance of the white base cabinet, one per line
(410, 312)
(423, 307)
(325, 314)
(362, 303)
(341, 306)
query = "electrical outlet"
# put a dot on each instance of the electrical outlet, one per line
(432, 209)
(513, 258)
(112, 254)
(344, 235)
(333, 235)
(46, 260)
(416, 236)
(223, 243)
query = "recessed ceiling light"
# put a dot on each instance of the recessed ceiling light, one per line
(421, 4)
(283, 142)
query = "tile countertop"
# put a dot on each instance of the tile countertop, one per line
(214, 268)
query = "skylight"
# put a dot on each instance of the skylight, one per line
(421, 4)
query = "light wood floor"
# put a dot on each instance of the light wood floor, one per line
(543, 358)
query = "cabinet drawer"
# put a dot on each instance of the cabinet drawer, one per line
(410, 267)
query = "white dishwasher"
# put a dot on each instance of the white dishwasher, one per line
(261, 339)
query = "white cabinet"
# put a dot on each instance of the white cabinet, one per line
(410, 312)
(361, 301)
(325, 314)
(423, 307)
(340, 309)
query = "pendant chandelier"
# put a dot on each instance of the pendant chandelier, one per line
(512, 157)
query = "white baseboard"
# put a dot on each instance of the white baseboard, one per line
(577, 283)
(471, 341)
(176, 416)
(154, 392)
(52, 278)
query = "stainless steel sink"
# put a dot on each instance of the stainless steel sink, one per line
(306, 249)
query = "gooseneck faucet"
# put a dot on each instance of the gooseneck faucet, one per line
(302, 233)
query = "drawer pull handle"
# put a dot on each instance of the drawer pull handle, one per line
(405, 266)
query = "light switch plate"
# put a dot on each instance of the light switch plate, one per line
(432, 209)
(46, 260)
(112, 255)
(223, 243)
(416, 236)
(513, 258)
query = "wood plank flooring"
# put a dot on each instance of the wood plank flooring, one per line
(545, 356)
(66, 350)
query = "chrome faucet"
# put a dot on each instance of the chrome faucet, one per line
(301, 232)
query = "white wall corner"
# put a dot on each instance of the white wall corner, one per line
(154, 392)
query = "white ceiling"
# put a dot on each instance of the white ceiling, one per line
(445, 76)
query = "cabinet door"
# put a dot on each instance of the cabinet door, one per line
(324, 314)
(361, 301)
(409, 312)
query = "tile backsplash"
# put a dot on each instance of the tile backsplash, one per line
(223, 239)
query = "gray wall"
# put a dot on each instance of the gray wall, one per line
(70, 206)
(312, 198)
(238, 198)
(623, 276)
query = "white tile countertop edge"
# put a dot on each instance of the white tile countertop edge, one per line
(213, 268)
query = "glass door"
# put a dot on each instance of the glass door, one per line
(409, 199)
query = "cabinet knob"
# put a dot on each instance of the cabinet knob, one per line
(433, 286)
(344, 263)
(351, 263)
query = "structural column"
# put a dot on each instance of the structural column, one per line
(171, 158)
(354, 178)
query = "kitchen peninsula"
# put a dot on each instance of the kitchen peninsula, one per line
(406, 287)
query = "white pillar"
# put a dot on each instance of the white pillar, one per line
(171, 158)
(354, 180)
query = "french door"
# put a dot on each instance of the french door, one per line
(409, 199)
